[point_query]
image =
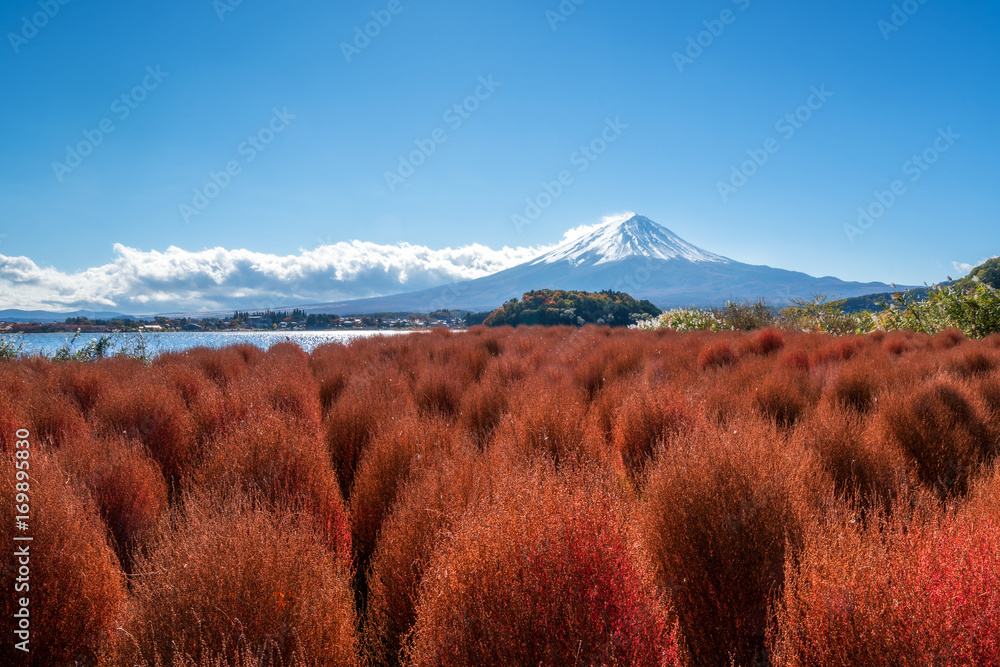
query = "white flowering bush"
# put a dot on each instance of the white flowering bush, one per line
(684, 319)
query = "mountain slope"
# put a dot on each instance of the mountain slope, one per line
(631, 254)
(988, 273)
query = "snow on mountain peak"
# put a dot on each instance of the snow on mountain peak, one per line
(621, 237)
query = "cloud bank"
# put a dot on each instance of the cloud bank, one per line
(217, 279)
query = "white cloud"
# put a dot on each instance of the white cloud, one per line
(144, 282)
(964, 268)
(583, 230)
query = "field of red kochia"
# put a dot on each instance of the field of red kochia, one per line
(531, 496)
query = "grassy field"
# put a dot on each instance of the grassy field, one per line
(551, 496)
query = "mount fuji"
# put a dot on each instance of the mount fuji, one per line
(629, 254)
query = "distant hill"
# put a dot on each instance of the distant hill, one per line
(870, 302)
(574, 308)
(44, 316)
(988, 273)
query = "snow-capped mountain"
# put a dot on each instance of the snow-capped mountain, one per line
(630, 254)
(624, 237)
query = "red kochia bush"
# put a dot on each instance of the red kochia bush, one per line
(914, 592)
(974, 362)
(180, 372)
(797, 359)
(484, 404)
(384, 468)
(606, 364)
(647, 419)
(765, 341)
(427, 506)
(462, 456)
(354, 419)
(864, 467)
(944, 431)
(331, 361)
(438, 392)
(898, 342)
(467, 358)
(948, 339)
(716, 355)
(837, 350)
(548, 418)
(55, 419)
(228, 573)
(138, 409)
(225, 364)
(11, 410)
(785, 395)
(86, 382)
(481, 409)
(283, 381)
(284, 466)
(859, 382)
(126, 485)
(721, 507)
(582, 595)
(75, 587)
(331, 386)
(989, 390)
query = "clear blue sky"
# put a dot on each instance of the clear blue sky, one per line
(322, 179)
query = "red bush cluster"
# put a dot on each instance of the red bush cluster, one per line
(529, 496)
(911, 589)
(716, 355)
(582, 593)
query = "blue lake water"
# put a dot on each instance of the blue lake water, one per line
(48, 343)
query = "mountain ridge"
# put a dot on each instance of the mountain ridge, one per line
(632, 254)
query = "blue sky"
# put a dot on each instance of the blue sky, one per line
(336, 124)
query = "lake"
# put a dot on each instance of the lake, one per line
(156, 343)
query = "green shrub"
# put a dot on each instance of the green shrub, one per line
(975, 312)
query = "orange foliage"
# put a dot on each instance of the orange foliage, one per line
(555, 495)
(75, 588)
(583, 593)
